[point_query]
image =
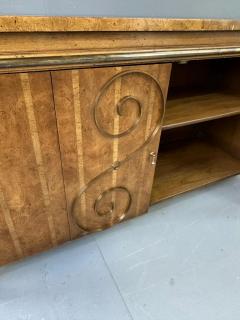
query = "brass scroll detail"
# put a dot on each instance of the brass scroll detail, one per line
(117, 165)
(112, 205)
(120, 105)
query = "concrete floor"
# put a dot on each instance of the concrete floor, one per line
(181, 261)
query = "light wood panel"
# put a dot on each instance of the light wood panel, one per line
(89, 150)
(32, 202)
(193, 107)
(53, 24)
(190, 165)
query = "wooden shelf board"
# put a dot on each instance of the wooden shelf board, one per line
(190, 166)
(195, 108)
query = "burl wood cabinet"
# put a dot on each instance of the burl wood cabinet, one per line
(83, 104)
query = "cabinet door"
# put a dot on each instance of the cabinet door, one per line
(32, 202)
(109, 122)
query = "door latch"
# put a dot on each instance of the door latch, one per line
(153, 157)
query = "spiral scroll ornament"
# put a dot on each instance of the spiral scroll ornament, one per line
(97, 203)
(109, 195)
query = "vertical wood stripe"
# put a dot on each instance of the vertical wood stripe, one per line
(37, 149)
(79, 136)
(10, 225)
(117, 97)
(147, 132)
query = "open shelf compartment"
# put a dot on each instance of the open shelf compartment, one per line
(193, 156)
(201, 91)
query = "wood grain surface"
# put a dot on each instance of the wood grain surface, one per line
(32, 201)
(190, 165)
(59, 170)
(87, 152)
(199, 107)
(61, 24)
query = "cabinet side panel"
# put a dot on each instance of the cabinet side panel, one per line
(226, 134)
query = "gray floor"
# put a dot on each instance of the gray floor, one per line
(181, 261)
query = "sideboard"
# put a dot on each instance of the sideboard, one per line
(103, 117)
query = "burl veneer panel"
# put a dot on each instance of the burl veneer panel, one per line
(113, 96)
(32, 201)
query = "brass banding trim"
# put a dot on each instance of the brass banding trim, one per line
(125, 57)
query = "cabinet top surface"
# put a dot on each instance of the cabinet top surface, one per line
(68, 24)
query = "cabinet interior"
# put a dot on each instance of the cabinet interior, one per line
(200, 141)
(201, 91)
